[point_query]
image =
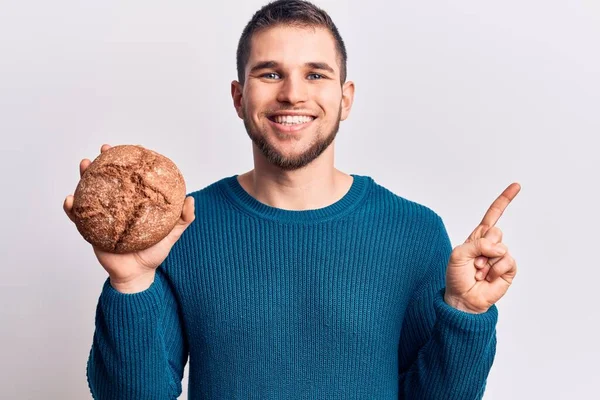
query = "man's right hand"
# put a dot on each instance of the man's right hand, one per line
(134, 272)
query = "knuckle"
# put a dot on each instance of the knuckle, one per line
(456, 252)
(496, 231)
(494, 234)
(483, 241)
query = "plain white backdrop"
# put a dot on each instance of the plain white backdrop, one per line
(454, 101)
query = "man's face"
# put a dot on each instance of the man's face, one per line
(292, 100)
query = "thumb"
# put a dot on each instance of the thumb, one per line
(481, 247)
(187, 217)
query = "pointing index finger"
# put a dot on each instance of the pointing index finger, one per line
(496, 210)
(499, 205)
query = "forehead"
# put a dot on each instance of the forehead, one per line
(291, 46)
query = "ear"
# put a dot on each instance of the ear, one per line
(347, 99)
(236, 95)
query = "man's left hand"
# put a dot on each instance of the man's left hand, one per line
(472, 287)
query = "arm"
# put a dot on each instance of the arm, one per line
(444, 353)
(139, 350)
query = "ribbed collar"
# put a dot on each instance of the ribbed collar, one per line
(238, 195)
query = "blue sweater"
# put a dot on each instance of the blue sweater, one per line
(343, 302)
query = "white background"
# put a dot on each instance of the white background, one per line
(454, 101)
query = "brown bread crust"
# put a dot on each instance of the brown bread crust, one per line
(128, 199)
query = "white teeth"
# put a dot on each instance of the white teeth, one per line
(292, 120)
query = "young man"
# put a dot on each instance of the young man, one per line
(296, 280)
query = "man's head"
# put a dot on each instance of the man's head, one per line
(291, 92)
(292, 13)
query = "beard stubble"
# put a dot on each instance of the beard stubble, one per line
(291, 163)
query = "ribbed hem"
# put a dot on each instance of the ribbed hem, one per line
(463, 320)
(243, 200)
(132, 304)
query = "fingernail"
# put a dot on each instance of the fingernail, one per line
(478, 275)
(479, 262)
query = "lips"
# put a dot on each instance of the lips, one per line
(290, 127)
(290, 122)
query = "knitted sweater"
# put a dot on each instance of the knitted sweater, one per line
(342, 302)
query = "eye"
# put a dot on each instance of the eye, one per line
(269, 75)
(319, 76)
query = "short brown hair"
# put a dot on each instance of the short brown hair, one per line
(298, 13)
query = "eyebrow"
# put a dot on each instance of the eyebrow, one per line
(274, 64)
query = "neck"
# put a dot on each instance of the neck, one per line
(317, 185)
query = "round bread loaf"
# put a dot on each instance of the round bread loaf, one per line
(128, 199)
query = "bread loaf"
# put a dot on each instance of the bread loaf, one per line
(128, 199)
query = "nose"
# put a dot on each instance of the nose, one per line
(292, 90)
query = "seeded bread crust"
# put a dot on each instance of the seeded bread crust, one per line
(128, 199)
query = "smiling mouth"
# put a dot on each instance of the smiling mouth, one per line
(291, 120)
(290, 124)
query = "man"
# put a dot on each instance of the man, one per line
(295, 279)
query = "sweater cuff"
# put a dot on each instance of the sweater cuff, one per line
(463, 320)
(132, 304)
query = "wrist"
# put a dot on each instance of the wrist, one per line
(460, 305)
(135, 285)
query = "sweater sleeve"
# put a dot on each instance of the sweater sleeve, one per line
(138, 349)
(444, 353)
